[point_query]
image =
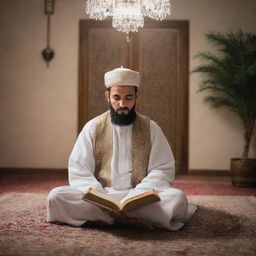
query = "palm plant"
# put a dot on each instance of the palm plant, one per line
(231, 77)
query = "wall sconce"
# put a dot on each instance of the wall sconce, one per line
(48, 53)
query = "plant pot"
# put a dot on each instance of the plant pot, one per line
(243, 172)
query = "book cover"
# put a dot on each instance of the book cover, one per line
(104, 201)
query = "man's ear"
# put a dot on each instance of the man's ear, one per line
(136, 95)
(107, 95)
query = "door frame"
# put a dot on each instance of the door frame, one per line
(182, 117)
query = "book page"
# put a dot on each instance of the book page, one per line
(102, 200)
(140, 200)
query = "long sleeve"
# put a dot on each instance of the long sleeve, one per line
(82, 163)
(161, 169)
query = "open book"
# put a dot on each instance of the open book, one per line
(95, 197)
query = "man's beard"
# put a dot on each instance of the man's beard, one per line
(122, 119)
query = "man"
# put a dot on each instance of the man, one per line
(120, 153)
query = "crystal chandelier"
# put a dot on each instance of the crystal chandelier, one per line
(128, 15)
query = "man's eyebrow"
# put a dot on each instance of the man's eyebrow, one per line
(127, 95)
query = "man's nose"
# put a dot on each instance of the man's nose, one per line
(122, 103)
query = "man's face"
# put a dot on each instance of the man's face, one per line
(122, 98)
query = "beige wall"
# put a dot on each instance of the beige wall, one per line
(38, 106)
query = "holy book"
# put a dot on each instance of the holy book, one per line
(104, 201)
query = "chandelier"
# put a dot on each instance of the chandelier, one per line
(128, 15)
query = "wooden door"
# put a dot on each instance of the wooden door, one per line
(160, 52)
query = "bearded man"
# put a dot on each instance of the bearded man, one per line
(120, 153)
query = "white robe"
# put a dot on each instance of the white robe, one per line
(65, 203)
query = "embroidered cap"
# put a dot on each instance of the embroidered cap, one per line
(122, 76)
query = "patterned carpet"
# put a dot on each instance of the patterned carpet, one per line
(223, 225)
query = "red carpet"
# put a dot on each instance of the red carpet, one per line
(217, 187)
(191, 185)
(223, 225)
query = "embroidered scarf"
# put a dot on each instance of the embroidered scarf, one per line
(103, 148)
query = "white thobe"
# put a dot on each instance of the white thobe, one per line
(65, 203)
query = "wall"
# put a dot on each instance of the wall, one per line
(215, 136)
(38, 105)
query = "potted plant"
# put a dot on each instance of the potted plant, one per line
(231, 79)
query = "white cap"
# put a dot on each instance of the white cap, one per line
(122, 76)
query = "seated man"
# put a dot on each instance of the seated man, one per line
(120, 153)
